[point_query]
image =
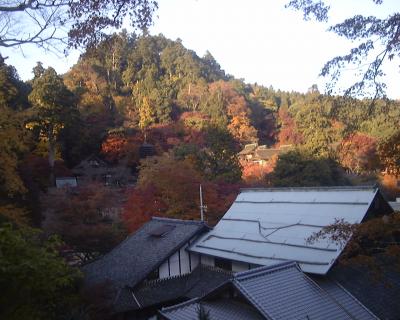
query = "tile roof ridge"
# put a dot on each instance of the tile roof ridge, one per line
(180, 305)
(354, 298)
(324, 188)
(214, 269)
(243, 275)
(180, 221)
(155, 282)
(250, 298)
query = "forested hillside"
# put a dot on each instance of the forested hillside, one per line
(129, 92)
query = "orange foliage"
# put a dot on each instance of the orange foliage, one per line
(358, 154)
(391, 186)
(119, 146)
(238, 111)
(255, 174)
(240, 126)
(170, 188)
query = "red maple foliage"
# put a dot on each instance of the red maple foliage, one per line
(121, 146)
(288, 134)
(357, 153)
(255, 174)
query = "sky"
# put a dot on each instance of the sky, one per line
(259, 41)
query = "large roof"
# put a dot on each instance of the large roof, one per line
(142, 252)
(268, 226)
(224, 309)
(285, 292)
(280, 292)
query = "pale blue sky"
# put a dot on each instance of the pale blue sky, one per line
(258, 40)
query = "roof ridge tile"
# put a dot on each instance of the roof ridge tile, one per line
(327, 188)
(180, 221)
(180, 305)
(263, 270)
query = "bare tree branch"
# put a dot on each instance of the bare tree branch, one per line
(49, 23)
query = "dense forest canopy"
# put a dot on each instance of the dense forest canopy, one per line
(132, 89)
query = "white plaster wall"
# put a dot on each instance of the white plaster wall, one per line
(174, 264)
(185, 267)
(163, 270)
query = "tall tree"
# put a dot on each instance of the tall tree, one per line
(219, 161)
(12, 134)
(53, 107)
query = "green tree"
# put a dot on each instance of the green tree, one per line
(9, 85)
(219, 160)
(12, 146)
(12, 134)
(300, 169)
(36, 282)
(53, 108)
(389, 154)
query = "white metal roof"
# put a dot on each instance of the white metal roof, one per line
(66, 182)
(267, 226)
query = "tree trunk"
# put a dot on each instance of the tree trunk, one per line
(52, 155)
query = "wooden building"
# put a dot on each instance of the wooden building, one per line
(94, 169)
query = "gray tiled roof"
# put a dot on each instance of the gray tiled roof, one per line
(248, 148)
(280, 292)
(132, 260)
(222, 309)
(342, 296)
(196, 284)
(265, 154)
(380, 293)
(285, 292)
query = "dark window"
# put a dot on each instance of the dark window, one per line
(223, 264)
(155, 274)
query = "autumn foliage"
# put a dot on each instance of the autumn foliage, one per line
(358, 153)
(288, 133)
(169, 187)
(255, 175)
(86, 218)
